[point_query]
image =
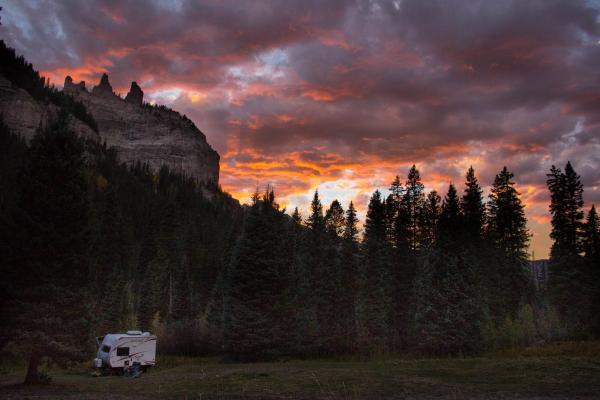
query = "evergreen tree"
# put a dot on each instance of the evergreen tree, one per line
(450, 218)
(349, 281)
(255, 288)
(591, 241)
(12, 156)
(431, 216)
(592, 260)
(350, 227)
(566, 202)
(334, 219)
(316, 221)
(507, 228)
(376, 296)
(50, 315)
(413, 204)
(472, 207)
(449, 309)
(296, 216)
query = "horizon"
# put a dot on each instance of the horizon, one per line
(344, 99)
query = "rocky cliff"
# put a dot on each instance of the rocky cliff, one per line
(146, 133)
(139, 132)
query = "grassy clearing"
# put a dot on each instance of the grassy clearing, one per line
(568, 370)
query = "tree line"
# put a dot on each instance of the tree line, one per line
(443, 276)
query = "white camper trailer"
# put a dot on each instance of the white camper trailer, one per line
(124, 350)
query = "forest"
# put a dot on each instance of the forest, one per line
(89, 245)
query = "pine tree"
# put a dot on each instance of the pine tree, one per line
(376, 296)
(349, 281)
(507, 228)
(296, 216)
(472, 207)
(592, 260)
(409, 234)
(334, 219)
(350, 228)
(316, 221)
(50, 316)
(591, 241)
(448, 309)
(431, 216)
(256, 287)
(566, 202)
(413, 203)
(450, 218)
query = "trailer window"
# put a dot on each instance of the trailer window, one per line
(106, 349)
(122, 351)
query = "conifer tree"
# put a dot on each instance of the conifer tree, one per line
(256, 287)
(448, 309)
(566, 202)
(450, 217)
(51, 316)
(413, 203)
(592, 260)
(350, 227)
(322, 260)
(316, 221)
(296, 216)
(334, 219)
(376, 297)
(349, 281)
(591, 242)
(507, 228)
(431, 216)
(472, 207)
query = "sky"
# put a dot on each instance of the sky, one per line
(344, 95)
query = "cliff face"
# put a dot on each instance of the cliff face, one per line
(139, 132)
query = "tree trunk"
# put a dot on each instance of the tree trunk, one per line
(33, 376)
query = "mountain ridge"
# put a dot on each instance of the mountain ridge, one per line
(139, 132)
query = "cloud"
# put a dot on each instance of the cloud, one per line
(344, 95)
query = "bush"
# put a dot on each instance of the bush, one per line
(183, 338)
(510, 333)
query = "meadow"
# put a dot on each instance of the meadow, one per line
(558, 371)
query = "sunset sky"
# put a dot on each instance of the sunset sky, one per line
(343, 96)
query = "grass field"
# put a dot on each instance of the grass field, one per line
(570, 370)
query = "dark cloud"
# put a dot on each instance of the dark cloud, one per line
(301, 87)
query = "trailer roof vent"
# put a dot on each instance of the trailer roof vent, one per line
(134, 332)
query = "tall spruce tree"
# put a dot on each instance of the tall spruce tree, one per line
(376, 291)
(450, 218)
(348, 281)
(50, 311)
(592, 260)
(507, 228)
(472, 207)
(591, 240)
(413, 204)
(569, 280)
(431, 216)
(256, 287)
(334, 219)
(566, 202)
(448, 309)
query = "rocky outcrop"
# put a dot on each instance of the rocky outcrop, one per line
(135, 95)
(149, 134)
(139, 132)
(104, 88)
(24, 115)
